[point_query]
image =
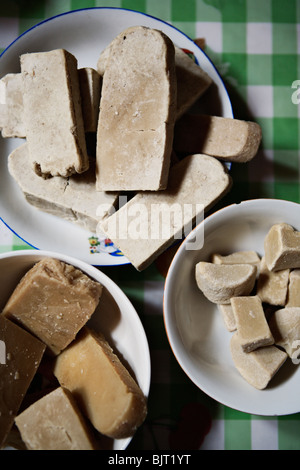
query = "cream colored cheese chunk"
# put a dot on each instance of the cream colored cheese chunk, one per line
(150, 221)
(252, 327)
(90, 82)
(137, 112)
(272, 286)
(228, 316)
(54, 422)
(224, 138)
(285, 326)
(53, 113)
(238, 257)
(293, 294)
(103, 387)
(282, 247)
(11, 106)
(220, 282)
(257, 367)
(74, 198)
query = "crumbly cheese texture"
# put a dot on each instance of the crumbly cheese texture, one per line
(137, 112)
(293, 294)
(252, 327)
(22, 356)
(282, 247)
(220, 282)
(149, 223)
(106, 392)
(285, 326)
(54, 422)
(53, 113)
(53, 300)
(257, 367)
(74, 198)
(225, 138)
(272, 286)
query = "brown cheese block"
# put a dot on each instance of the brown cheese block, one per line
(23, 354)
(225, 138)
(137, 112)
(53, 301)
(53, 114)
(293, 294)
(55, 422)
(272, 286)
(285, 326)
(282, 247)
(90, 89)
(103, 387)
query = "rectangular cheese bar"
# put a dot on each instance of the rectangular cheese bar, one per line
(257, 367)
(55, 422)
(11, 106)
(252, 327)
(105, 390)
(150, 222)
(23, 354)
(90, 83)
(137, 112)
(228, 316)
(272, 286)
(53, 113)
(229, 139)
(53, 300)
(74, 198)
(293, 294)
(282, 247)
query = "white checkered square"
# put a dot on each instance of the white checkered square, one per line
(259, 38)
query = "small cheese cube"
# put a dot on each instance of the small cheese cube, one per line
(282, 247)
(285, 327)
(293, 294)
(272, 286)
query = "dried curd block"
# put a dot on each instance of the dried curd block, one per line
(285, 327)
(252, 327)
(11, 106)
(137, 112)
(55, 422)
(90, 89)
(22, 354)
(282, 247)
(220, 282)
(106, 392)
(228, 316)
(257, 367)
(53, 113)
(53, 301)
(238, 257)
(272, 286)
(293, 294)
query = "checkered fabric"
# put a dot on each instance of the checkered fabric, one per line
(255, 46)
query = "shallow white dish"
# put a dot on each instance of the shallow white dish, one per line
(85, 33)
(194, 326)
(115, 316)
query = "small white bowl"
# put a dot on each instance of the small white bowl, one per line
(194, 326)
(115, 316)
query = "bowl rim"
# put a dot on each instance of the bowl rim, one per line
(170, 328)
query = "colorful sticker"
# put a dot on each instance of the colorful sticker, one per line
(103, 245)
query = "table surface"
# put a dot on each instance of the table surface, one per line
(255, 46)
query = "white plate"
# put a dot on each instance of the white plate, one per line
(115, 316)
(194, 326)
(85, 33)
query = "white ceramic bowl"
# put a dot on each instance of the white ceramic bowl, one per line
(115, 316)
(84, 33)
(195, 329)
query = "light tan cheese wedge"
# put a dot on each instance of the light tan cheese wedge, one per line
(252, 327)
(293, 294)
(54, 422)
(192, 81)
(106, 392)
(149, 223)
(228, 316)
(225, 138)
(74, 198)
(53, 301)
(90, 82)
(137, 112)
(220, 282)
(53, 113)
(238, 257)
(285, 326)
(21, 354)
(282, 247)
(272, 287)
(257, 367)
(11, 106)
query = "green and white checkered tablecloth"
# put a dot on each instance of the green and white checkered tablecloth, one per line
(255, 45)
